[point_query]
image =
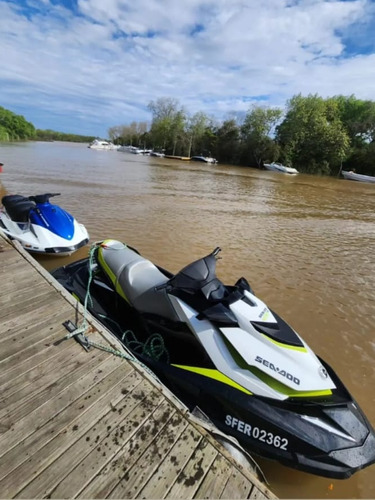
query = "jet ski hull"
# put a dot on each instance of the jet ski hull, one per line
(326, 435)
(279, 432)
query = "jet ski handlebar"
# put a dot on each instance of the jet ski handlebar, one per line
(43, 198)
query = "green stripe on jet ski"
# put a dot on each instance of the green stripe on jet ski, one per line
(286, 346)
(214, 374)
(284, 389)
(110, 273)
(270, 381)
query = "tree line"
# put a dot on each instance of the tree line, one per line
(313, 134)
(15, 127)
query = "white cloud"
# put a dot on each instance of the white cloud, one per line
(103, 66)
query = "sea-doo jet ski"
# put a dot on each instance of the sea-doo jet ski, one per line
(41, 227)
(221, 349)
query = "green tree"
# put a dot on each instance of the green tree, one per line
(196, 128)
(16, 126)
(167, 125)
(4, 135)
(312, 135)
(228, 142)
(358, 118)
(256, 129)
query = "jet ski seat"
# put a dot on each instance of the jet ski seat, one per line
(135, 278)
(18, 207)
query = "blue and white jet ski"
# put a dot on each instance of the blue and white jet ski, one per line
(220, 348)
(40, 226)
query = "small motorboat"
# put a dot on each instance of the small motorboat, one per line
(157, 154)
(278, 167)
(222, 351)
(205, 159)
(40, 226)
(353, 176)
(102, 145)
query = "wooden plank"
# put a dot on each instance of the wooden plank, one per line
(136, 477)
(20, 318)
(237, 486)
(8, 255)
(214, 482)
(15, 341)
(18, 339)
(11, 262)
(107, 444)
(21, 280)
(256, 493)
(49, 385)
(121, 465)
(28, 383)
(56, 437)
(161, 481)
(15, 300)
(35, 354)
(82, 413)
(30, 305)
(68, 472)
(49, 402)
(189, 479)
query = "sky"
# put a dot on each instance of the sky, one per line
(82, 66)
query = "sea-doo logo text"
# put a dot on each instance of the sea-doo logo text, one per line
(264, 313)
(276, 369)
(256, 433)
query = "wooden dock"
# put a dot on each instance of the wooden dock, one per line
(91, 424)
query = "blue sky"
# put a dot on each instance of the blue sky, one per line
(82, 66)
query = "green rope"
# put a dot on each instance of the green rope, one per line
(154, 346)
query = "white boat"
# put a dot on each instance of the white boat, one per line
(104, 145)
(352, 176)
(134, 150)
(157, 154)
(205, 159)
(277, 167)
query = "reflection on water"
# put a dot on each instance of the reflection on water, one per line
(305, 243)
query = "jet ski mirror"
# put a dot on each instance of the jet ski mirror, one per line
(216, 252)
(243, 284)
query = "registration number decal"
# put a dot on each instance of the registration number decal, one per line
(257, 433)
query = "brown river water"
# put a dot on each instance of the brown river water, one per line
(306, 244)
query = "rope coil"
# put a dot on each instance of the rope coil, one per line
(153, 347)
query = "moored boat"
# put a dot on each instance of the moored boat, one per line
(40, 226)
(102, 145)
(353, 176)
(278, 167)
(205, 159)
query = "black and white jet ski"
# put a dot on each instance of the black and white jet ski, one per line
(228, 354)
(41, 227)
